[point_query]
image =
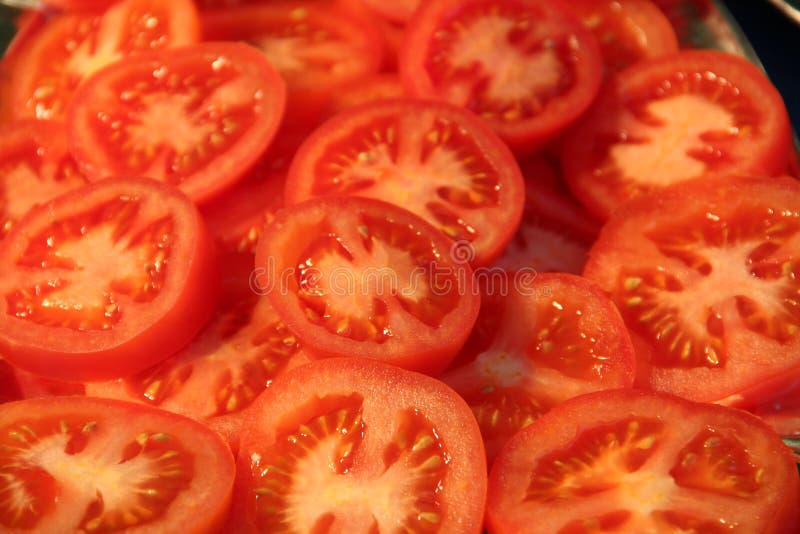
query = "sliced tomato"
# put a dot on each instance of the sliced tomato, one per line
(555, 233)
(351, 445)
(35, 166)
(675, 118)
(535, 345)
(27, 24)
(70, 47)
(356, 276)
(431, 158)
(633, 461)
(196, 117)
(104, 281)
(33, 386)
(527, 68)
(705, 274)
(314, 45)
(628, 31)
(76, 464)
(396, 11)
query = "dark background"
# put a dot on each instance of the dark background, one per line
(776, 40)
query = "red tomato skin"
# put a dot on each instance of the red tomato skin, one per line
(108, 358)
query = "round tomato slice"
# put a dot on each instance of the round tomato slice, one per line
(356, 276)
(705, 274)
(104, 281)
(628, 31)
(431, 158)
(675, 118)
(76, 464)
(527, 68)
(196, 117)
(72, 46)
(35, 166)
(314, 45)
(634, 461)
(536, 345)
(352, 445)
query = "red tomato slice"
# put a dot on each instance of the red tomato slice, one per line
(527, 68)
(431, 158)
(196, 117)
(76, 464)
(672, 119)
(396, 11)
(351, 445)
(705, 274)
(632, 461)
(536, 345)
(70, 47)
(104, 281)
(356, 276)
(315, 46)
(628, 31)
(35, 166)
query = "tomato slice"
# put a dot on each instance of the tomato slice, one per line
(672, 119)
(196, 117)
(633, 461)
(351, 445)
(35, 166)
(72, 46)
(396, 11)
(535, 345)
(104, 281)
(705, 275)
(314, 45)
(431, 158)
(356, 276)
(528, 68)
(76, 464)
(628, 31)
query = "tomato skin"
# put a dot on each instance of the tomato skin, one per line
(528, 133)
(759, 142)
(212, 170)
(199, 508)
(412, 343)
(73, 355)
(770, 503)
(383, 392)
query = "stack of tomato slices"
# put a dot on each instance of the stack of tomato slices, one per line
(393, 266)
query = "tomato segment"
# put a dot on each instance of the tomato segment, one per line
(528, 69)
(35, 166)
(632, 461)
(356, 276)
(536, 345)
(149, 469)
(71, 47)
(432, 159)
(196, 117)
(101, 274)
(331, 448)
(672, 119)
(708, 286)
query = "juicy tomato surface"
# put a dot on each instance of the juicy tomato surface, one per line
(348, 445)
(76, 464)
(675, 118)
(355, 276)
(196, 117)
(35, 166)
(431, 158)
(634, 461)
(315, 46)
(628, 31)
(705, 275)
(534, 346)
(529, 69)
(104, 281)
(70, 47)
